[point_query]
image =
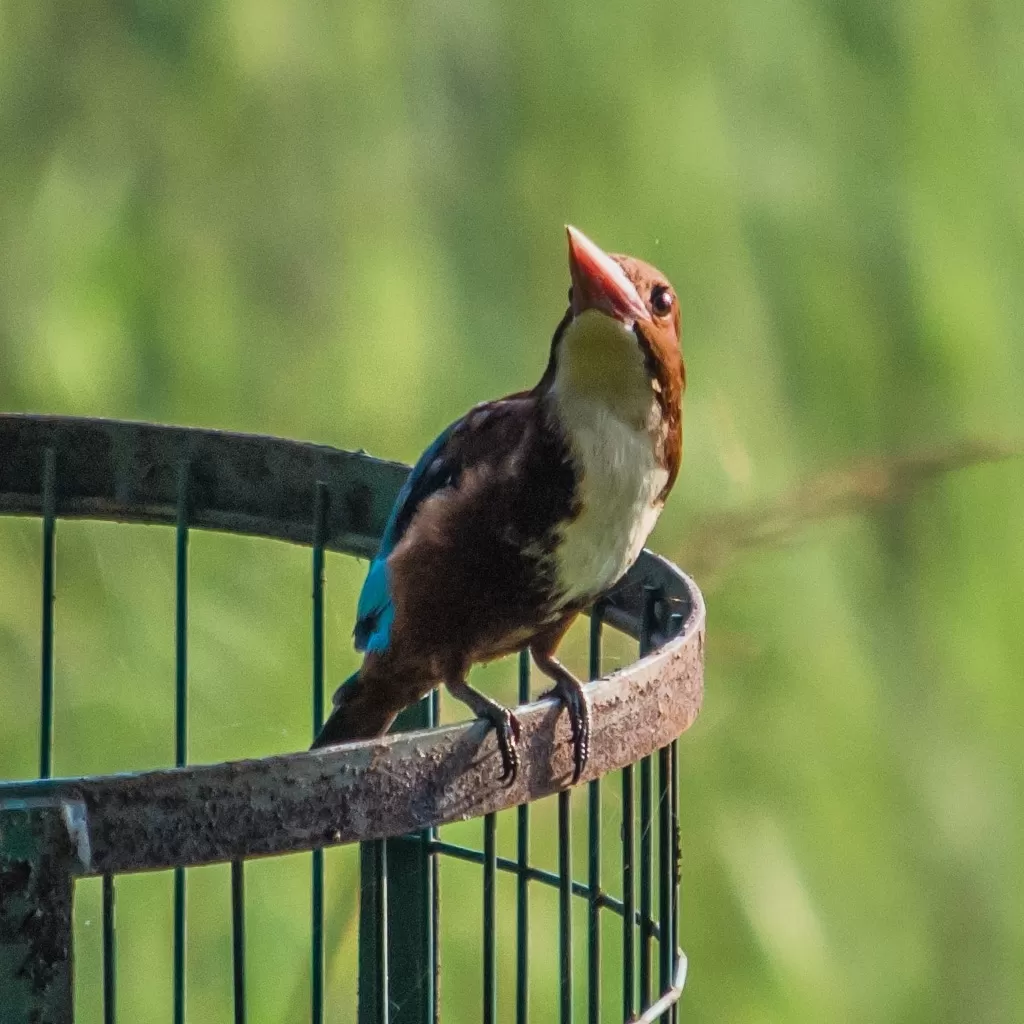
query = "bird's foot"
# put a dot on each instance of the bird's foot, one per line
(505, 723)
(571, 693)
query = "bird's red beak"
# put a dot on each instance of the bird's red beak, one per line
(598, 282)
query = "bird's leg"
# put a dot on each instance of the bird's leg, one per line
(568, 689)
(505, 723)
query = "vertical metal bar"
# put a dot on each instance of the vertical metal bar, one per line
(490, 920)
(676, 862)
(372, 954)
(109, 953)
(381, 873)
(628, 895)
(666, 872)
(374, 939)
(320, 505)
(434, 1008)
(412, 910)
(522, 880)
(238, 938)
(646, 881)
(49, 573)
(646, 826)
(565, 905)
(180, 718)
(594, 852)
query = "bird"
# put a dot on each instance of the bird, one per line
(526, 511)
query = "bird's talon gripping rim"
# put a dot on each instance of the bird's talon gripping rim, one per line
(507, 728)
(579, 716)
(573, 696)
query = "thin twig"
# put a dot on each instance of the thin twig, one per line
(721, 536)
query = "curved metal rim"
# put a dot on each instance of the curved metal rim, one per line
(131, 472)
(126, 471)
(370, 790)
(374, 789)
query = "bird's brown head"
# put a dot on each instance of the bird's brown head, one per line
(625, 289)
(619, 340)
(617, 349)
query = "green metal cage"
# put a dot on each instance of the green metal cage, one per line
(391, 795)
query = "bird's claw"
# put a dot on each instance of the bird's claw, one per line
(571, 693)
(506, 725)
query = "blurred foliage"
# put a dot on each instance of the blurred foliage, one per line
(343, 222)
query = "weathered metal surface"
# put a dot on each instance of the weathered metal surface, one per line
(43, 843)
(398, 784)
(242, 483)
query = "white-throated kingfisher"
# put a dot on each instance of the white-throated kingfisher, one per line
(526, 511)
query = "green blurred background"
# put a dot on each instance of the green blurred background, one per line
(343, 222)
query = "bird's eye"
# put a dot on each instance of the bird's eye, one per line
(661, 300)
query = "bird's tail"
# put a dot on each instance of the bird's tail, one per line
(359, 713)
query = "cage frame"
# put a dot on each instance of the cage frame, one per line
(55, 830)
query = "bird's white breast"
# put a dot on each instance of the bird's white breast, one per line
(612, 435)
(620, 484)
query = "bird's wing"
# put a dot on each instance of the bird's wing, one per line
(462, 444)
(374, 611)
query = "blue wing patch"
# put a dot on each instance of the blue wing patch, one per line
(375, 611)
